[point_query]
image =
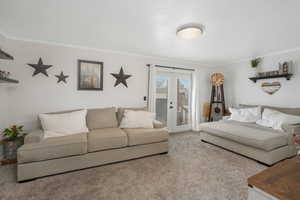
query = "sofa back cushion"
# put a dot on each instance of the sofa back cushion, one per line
(120, 113)
(102, 118)
(290, 111)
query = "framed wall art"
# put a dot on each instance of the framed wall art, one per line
(90, 75)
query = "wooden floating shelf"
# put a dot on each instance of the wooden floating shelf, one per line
(8, 80)
(287, 76)
(5, 56)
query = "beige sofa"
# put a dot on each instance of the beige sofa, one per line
(263, 144)
(104, 143)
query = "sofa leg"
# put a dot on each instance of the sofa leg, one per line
(164, 153)
(267, 165)
(29, 180)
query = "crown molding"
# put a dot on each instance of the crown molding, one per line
(156, 58)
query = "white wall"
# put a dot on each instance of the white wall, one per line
(247, 92)
(4, 114)
(39, 94)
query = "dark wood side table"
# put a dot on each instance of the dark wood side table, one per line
(7, 161)
(281, 181)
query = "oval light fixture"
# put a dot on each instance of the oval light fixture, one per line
(189, 31)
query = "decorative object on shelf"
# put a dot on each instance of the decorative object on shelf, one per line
(287, 76)
(61, 77)
(217, 96)
(271, 88)
(90, 75)
(121, 78)
(5, 56)
(254, 64)
(8, 80)
(297, 142)
(4, 77)
(13, 138)
(4, 74)
(285, 67)
(40, 68)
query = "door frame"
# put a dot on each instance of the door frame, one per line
(173, 75)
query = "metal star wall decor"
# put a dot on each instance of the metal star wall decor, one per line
(121, 77)
(40, 68)
(61, 77)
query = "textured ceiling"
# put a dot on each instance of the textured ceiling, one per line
(235, 29)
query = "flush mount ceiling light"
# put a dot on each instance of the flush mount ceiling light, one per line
(189, 31)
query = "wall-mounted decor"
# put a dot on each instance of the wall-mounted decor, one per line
(121, 78)
(40, 68)
(61, 77)
(254, 65)
(90, 75)
(284, 71)
(285, 67)
(271, 88)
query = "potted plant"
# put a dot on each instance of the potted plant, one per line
(254, 64)
(13, 138)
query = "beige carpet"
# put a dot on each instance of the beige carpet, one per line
(192, 170)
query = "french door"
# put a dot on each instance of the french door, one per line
(173, 99)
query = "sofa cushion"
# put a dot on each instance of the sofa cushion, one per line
(138, 136)
(248, 134)
(51, 148)
(102, 118)
(120, 113)
(106, 138)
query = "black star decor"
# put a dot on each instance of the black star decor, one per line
(121, 77)
(40, 68)
(61, 77)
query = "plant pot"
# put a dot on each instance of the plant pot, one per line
(254, 71)
(10, 148)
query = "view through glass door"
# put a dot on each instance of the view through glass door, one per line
(173, 100)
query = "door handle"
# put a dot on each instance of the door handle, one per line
(171, 107)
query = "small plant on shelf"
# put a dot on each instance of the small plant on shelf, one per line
(255, 62)
(13, 138)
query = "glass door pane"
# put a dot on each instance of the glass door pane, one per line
(183, 101)
(161, 102)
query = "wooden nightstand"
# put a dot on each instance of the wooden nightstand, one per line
(281, 181)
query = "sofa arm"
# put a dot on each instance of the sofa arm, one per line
(34, 136)
(157, 124)
(291, 131)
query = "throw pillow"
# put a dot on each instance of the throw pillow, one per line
(275, 119)
(137, 119)
(250, 115)
(55, 125)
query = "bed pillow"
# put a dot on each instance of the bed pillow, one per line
(55, 125)
(250, 115)
(275, 119)
(137, 119)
